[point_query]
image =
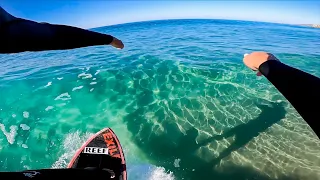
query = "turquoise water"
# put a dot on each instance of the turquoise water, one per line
(178, 96)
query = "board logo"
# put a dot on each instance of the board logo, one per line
(95, 150)
(111, 144)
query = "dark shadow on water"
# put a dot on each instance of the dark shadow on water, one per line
(163, 149)
(244, 133)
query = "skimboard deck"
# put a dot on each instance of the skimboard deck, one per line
(103, 151)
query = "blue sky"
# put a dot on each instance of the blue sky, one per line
(95, 13)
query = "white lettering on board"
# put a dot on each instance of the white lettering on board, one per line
(95, 150)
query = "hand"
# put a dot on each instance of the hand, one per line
(255, 59)
(117, 43)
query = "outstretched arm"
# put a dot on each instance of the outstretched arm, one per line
(301, 89)
(23, 35)
(18, 35)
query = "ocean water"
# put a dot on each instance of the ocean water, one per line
(178, 96)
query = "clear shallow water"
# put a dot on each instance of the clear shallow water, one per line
(178, 96)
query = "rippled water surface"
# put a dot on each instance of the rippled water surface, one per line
(178, 96)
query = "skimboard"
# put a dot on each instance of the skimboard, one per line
(102, 151)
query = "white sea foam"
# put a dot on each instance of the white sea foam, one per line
(91, 89)
(176, 163)
(159, 173)
(24, 146)
(49, 84)
(9, 135)
(77, 88)
(84, 76)
(97, 72)
(63, 97)
(61, 104)
(13, 115)
(71, 144)
(93, 83)
(49, 108)
(147, 172)
(24, 127)
(60, 78)
(25, 114)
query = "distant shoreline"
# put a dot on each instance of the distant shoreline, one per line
(311, 25)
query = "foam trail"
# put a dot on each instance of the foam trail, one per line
(148, 172)
(159, 173)
(71, 144)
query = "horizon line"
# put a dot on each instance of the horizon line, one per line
(142, 21)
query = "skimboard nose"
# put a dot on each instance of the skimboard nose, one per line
(103, 151)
